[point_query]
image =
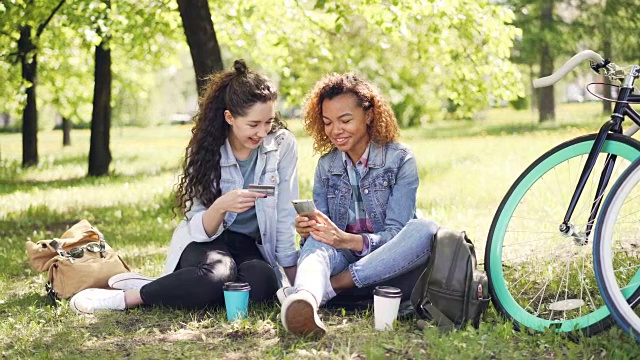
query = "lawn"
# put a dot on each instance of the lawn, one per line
(465, 169)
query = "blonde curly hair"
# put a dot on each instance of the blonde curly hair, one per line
(384, 126)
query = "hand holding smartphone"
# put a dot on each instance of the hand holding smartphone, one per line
(305, 208)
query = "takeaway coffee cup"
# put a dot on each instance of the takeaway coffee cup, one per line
(386, 301)
(236, 300)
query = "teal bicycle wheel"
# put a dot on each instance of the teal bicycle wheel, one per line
(539, 277)
(617, 251)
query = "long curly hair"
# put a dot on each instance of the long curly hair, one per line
(235, 90)
(384, 126)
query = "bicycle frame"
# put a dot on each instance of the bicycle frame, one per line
(621, 110)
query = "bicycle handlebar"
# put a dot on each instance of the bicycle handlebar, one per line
(568, 66)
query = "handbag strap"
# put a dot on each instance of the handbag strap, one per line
(55, 245)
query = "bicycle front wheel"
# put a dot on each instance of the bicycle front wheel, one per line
(540, 277)
(617, 250)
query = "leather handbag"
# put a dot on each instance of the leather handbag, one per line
(78, 260)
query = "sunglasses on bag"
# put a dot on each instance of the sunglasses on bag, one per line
(78, 252)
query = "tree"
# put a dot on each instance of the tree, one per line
(99, 152)
(25, 21)
(138, 28)
(201, 37)
(546, 98)
(606, 26)
(546, 35)
(143, 35)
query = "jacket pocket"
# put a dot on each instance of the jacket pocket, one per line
(382, 187)
(271, 178)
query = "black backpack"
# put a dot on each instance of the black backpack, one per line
(451, 291)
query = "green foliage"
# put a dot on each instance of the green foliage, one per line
(520, 103)
(143, 37)
(610, 22)
(420, 54)
(558, 34)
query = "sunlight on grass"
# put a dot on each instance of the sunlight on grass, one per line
(465, 169)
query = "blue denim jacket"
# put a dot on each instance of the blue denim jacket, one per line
(276, 164)
(388, 190)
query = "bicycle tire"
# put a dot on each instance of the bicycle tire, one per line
(616, 256)
(528, 291)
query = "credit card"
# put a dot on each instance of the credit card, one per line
(268, 190)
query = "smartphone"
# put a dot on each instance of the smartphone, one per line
(268, 190)
(305, 208)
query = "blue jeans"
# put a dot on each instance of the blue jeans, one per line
(410, 248)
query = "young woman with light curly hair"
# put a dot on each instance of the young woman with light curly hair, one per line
(365, 232)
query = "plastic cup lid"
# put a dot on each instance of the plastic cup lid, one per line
(236, 286)
(387, 291)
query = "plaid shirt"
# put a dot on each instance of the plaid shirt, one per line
(359, 222)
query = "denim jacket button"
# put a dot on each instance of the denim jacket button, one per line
(385, 183)
(366, 191)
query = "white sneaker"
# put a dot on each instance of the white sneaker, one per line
(89, 301)
(299, 315)
(283, 292)
(129, 281)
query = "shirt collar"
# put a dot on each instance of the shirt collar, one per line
(364, 159)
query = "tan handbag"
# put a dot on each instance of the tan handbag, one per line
(78, 260)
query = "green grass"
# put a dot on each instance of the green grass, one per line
(465, 169)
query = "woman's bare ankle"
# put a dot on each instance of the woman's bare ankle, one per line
(132, 298)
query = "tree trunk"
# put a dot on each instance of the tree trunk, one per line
(28, 61)
(66, 131)
(99, 154)
(201, 37)
(534, 98)
(546, 100)
(606, 91)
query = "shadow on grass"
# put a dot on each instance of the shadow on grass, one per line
(475, 128)
(41, 219)
(10, 185)
(38, 300)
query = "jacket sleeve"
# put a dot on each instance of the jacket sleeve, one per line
(286, 252)
(191, 226)
(320, 197)
(401, 205)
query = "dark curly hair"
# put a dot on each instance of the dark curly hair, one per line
(234, 90)
(384, 127)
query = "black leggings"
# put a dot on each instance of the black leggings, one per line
(205, 267)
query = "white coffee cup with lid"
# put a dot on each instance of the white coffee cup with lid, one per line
(386, 302)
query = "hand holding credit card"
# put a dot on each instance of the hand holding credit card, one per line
(268, 190)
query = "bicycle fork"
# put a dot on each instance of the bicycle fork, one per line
(566, 227)
(614, 126)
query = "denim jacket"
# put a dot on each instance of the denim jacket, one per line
(276, 164)
(388, 190)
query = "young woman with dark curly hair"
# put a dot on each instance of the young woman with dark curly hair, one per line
(228, 232)
(366, 233)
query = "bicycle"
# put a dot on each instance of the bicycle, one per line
(538, 257)
(616, 255)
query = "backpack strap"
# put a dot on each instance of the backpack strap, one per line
(444, 323)
(482, 307)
